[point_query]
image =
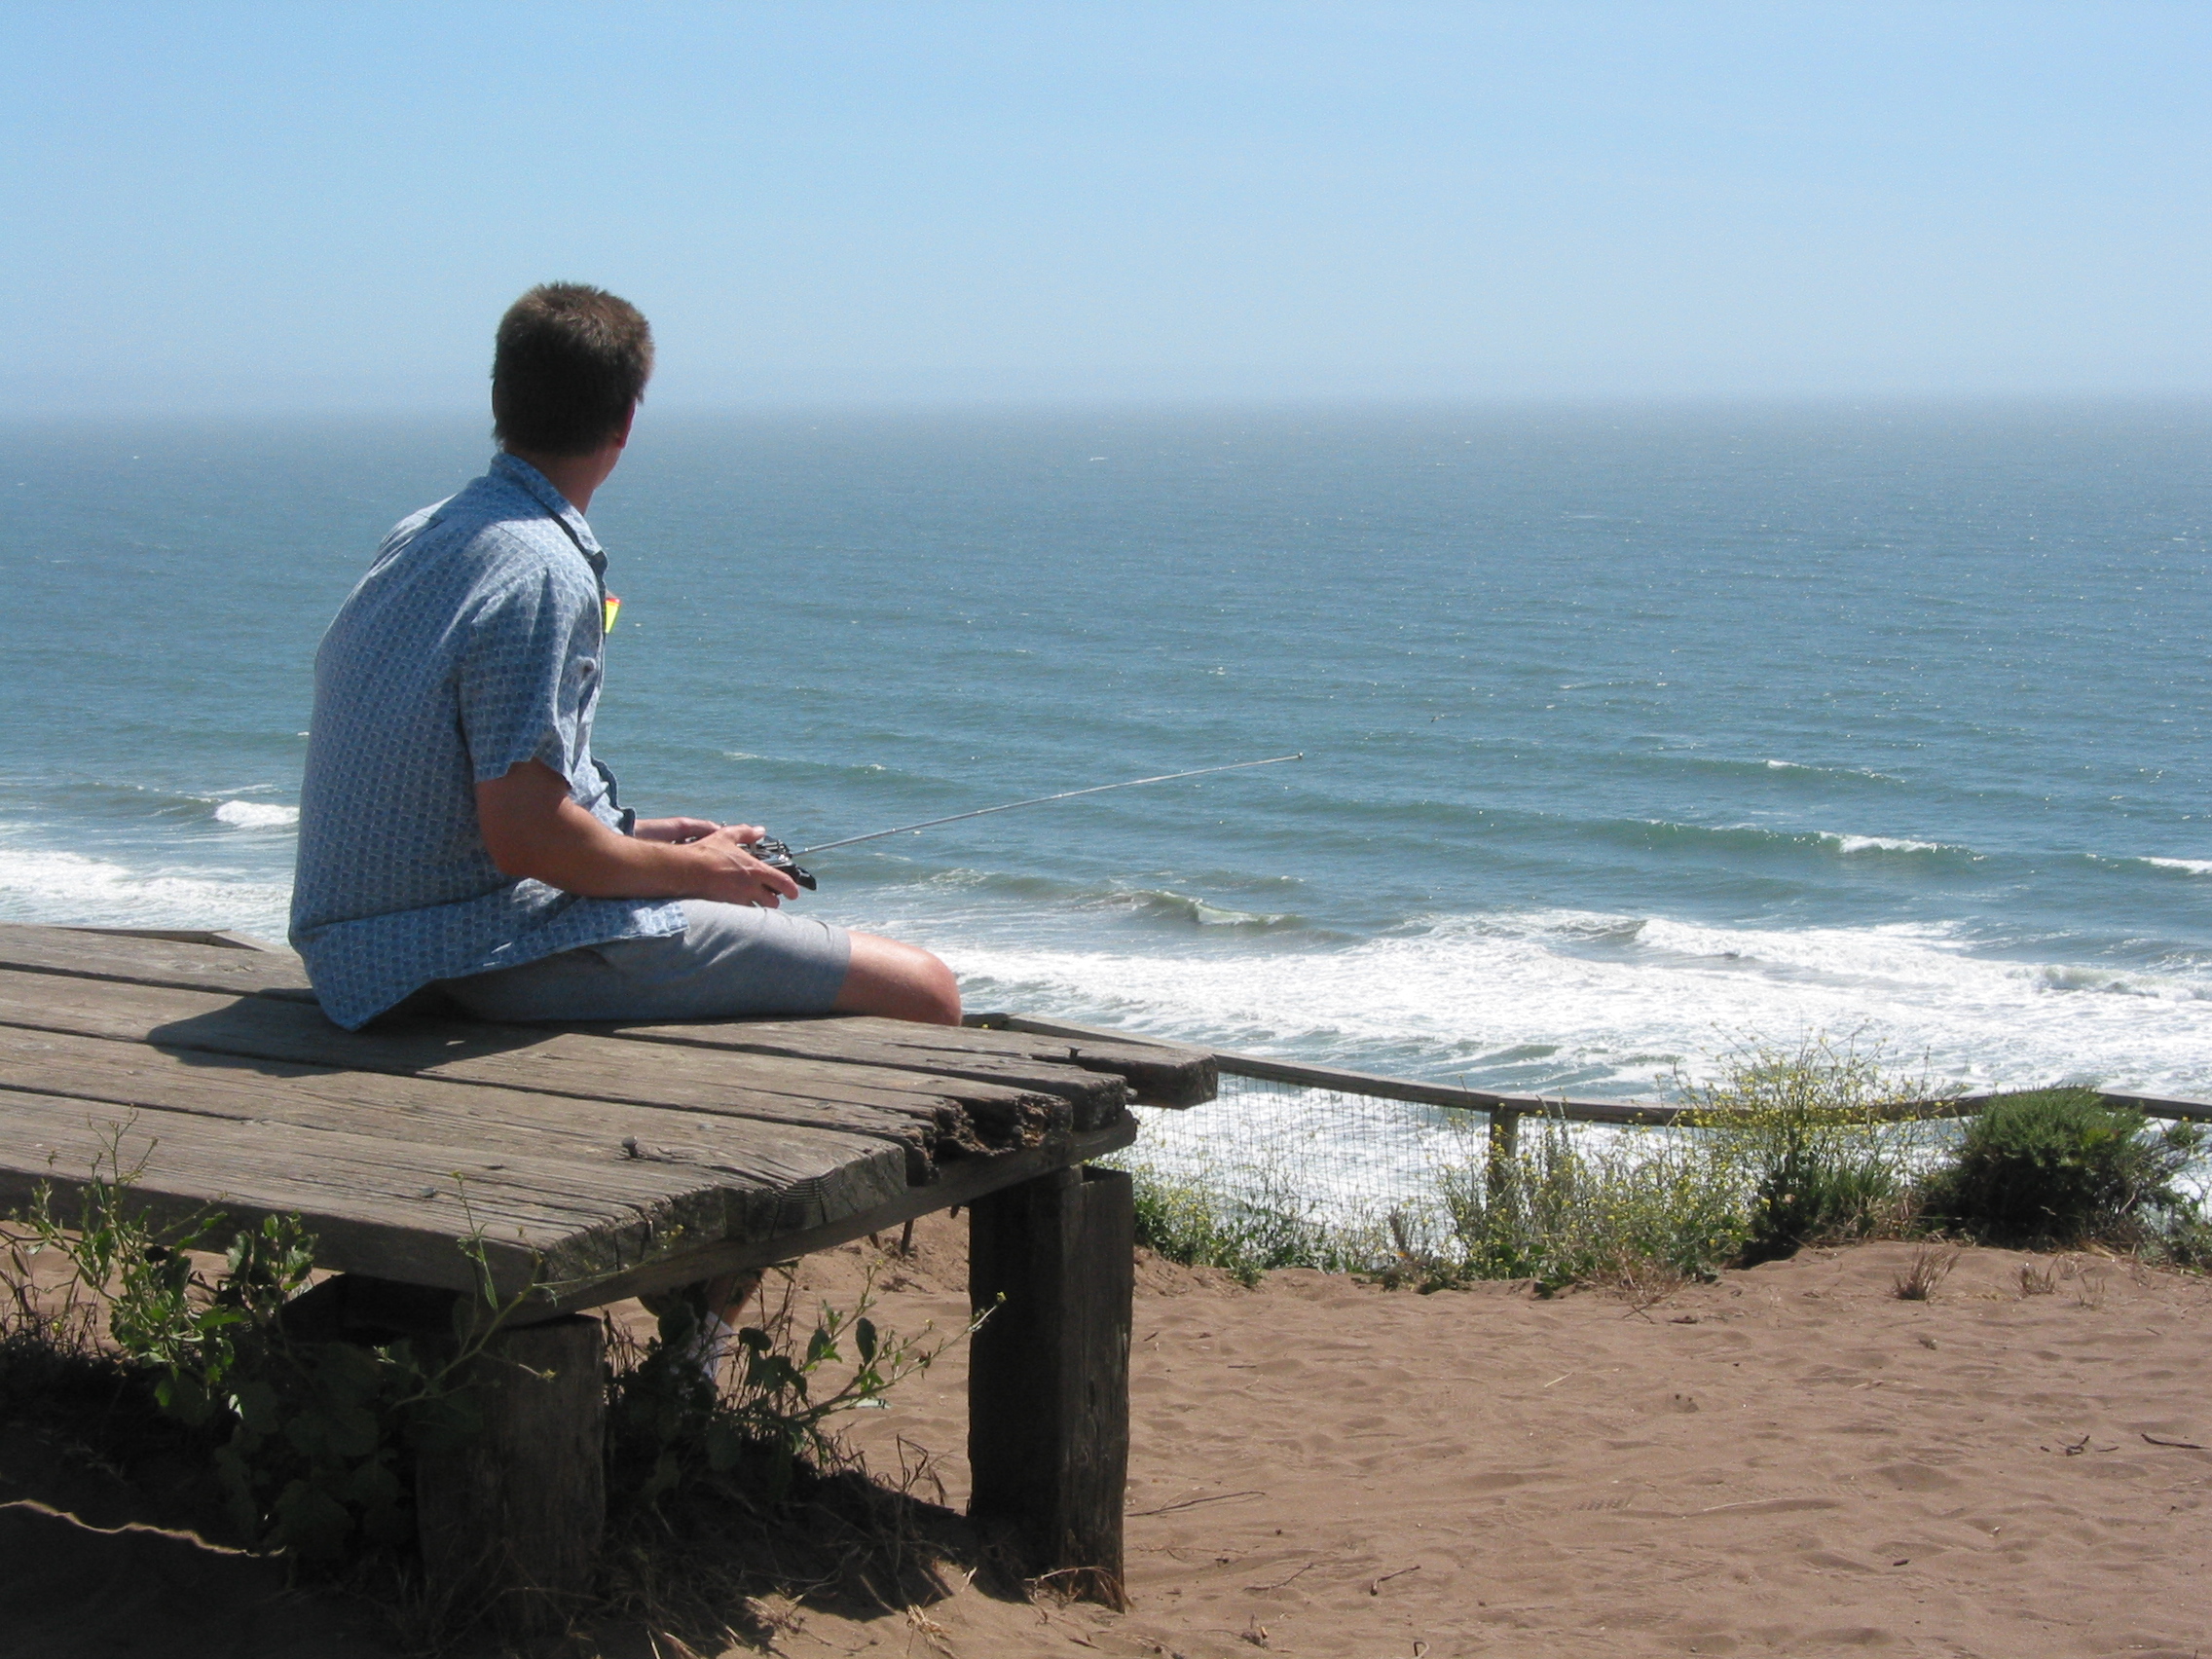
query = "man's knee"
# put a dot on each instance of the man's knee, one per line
(900, 982)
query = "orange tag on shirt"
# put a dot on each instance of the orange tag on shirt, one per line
(614, 609)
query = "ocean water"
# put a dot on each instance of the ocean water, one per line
(1629, 733)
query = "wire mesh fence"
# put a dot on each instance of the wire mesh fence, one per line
(1348, 1154)
(1349, 1175)
(1296, 1164)
(1333, 1174)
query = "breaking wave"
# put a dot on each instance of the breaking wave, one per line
(1572, 1000)
(256, 814)
(65, 887)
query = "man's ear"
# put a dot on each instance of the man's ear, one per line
(622, 437)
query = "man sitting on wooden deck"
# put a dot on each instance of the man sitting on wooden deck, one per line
(455, 829)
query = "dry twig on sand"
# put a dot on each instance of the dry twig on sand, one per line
(1194, 1503)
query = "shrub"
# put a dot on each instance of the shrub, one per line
(1245, 1227)
(1787, 1147)
(2059, 1167)
(1809, 1133)
(1562, 1212)
(314, 1442)
(670, 1430)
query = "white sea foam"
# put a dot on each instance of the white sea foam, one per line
(2188, 866)
(57, 887)
(1616, 1003)
(1831, 771)
(256, 814)
(1848, 846)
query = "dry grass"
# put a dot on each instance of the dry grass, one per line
(1930, 1267)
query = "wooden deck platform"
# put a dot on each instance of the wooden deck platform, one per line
(592, 1161)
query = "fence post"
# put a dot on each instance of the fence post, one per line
(1505, 1145)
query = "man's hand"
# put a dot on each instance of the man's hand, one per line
(532, 828)
(736, 877)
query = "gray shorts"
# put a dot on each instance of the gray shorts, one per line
(729, 961)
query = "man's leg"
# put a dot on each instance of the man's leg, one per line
(900, 982)
(730, 963)
(722, 1297)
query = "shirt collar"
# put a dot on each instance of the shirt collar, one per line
(525, 477)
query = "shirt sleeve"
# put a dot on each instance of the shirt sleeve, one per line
(527, 678)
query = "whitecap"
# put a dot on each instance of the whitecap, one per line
(2188, 866)
(1832, 771)
(256, 814)
(1848, 846)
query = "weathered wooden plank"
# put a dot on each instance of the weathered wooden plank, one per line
(392, 1209)
(963, 1183)
(226, 937)
(1093, 1097)
(97, 953)
(782, 1176)
(936, 1116)
(1162, 1072)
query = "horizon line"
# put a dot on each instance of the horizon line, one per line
(1189, 403)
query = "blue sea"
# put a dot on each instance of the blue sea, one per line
(1631, 734)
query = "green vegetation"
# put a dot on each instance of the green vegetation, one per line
(311, 1440)
(129, 1329)
(2059, 1167)
(1804, 1141)
(1784, 1148)
(670, 1431)
(1564, 1210)
(1266, 1225)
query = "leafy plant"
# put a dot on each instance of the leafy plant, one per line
(1813, 1134)
(1564, 1210)
(670, 1428)
(2058, 1166)
(314, 1441)
(1247, 1229)
(311, 1440)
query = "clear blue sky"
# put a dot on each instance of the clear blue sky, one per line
(326, 205)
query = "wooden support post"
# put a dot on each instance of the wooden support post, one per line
(1505, 1145)
(1048, 1373)
(512, 1522)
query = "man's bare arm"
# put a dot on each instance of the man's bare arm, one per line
(532, 828)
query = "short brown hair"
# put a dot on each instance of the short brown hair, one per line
(571, 363)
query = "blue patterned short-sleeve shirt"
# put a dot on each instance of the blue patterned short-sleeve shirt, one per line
(475, 643)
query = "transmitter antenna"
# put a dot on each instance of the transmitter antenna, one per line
(1039, 800)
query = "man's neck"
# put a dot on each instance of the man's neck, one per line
(576, 476)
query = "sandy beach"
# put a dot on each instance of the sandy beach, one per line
(1789, 1461)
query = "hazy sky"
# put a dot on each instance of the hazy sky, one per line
(301, 205)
